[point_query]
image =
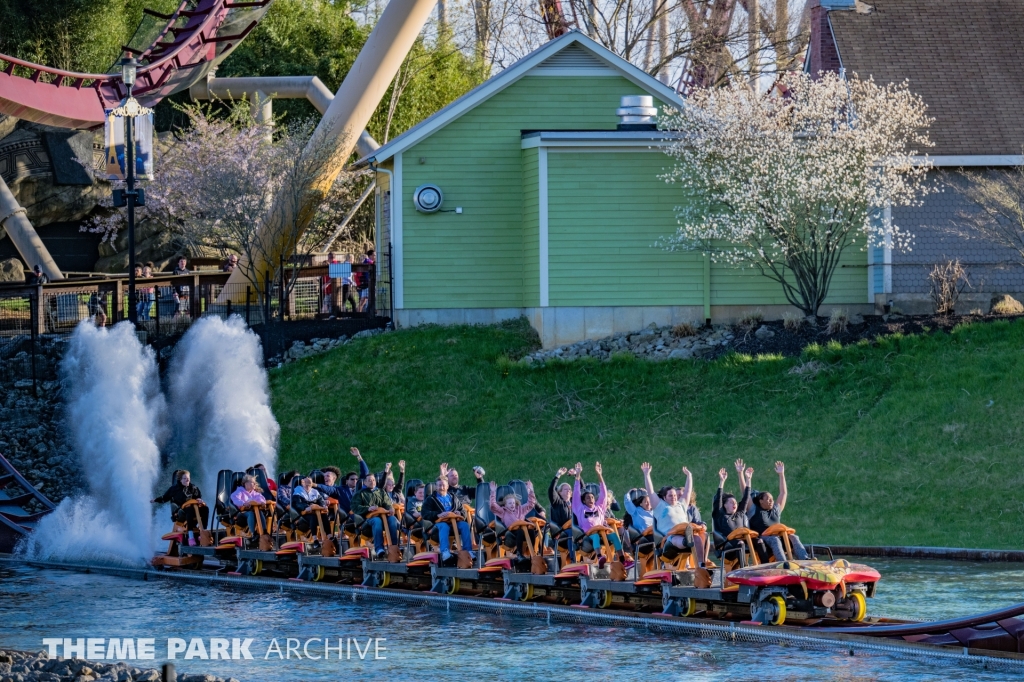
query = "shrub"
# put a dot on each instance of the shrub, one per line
(1006, 305)
(751, 320)
(792, 322)
(684, 329)
(948, 281)
(838, 321)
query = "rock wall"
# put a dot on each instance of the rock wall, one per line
(23, 666)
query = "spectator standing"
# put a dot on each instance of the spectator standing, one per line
(363, 281)
(348, 289)
(230, 264)
(146, 293)
(37, 277)
(181, 291)
(328, 285)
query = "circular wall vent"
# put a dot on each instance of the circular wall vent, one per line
(427, 198)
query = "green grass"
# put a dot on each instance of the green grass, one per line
(910, 440)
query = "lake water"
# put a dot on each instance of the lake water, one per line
(421, 642)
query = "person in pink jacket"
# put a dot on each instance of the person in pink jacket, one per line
(246, 495)
(590, 512)
(511, 510)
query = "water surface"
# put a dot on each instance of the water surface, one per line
(421, 641)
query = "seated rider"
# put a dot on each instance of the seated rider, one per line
(304, 495)
(638, 506)
(244, 497)
(768, 512)
(590, 513)
(350, 484)
(693, 511)
(414, 505)
(284, 495)
(440, 501)
(270, 479)
(511, 510)
(669, 510)
(728, 515)
(369, 499)
(178, 494)
(393, 489)
(560, 497)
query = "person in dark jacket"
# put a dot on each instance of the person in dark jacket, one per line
(303, 496)
(180, 493)
(560, 497)
(343, 493)
(465, 493)
(369, 499)
(727, 514)
(443, 500)
(768, 512)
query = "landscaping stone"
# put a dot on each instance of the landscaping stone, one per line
(22, 666)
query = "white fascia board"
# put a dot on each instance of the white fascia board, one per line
(610, 139)
(972, 160)
(509, 76)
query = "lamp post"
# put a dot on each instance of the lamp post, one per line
(130, 197)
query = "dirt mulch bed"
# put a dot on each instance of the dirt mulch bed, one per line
(791, 343)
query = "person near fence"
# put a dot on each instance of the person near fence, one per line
(37, 277)
(327, 284)
(98, 308)
(230, 264)
(181, 291)
(348, 289)
(363, 281)
(146, 293)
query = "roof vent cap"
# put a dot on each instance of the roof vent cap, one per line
(637, 112)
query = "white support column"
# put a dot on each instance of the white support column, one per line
(887, 253)
(542, 168)
(397, 261)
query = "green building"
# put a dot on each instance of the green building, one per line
(530, 196)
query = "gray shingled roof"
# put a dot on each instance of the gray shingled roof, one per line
(964, 57)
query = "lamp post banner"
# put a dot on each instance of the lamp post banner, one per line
(113, 141)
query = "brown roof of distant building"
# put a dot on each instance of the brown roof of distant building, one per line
(964, 57)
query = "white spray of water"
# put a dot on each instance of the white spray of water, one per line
(114, 414)
(220, 400)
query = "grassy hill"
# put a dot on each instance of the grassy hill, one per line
(907, 440)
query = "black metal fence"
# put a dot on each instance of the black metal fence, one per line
(35, 318)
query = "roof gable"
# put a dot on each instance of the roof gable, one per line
(573, 54)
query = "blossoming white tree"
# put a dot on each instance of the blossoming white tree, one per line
(785, 183)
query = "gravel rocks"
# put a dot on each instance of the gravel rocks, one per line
(650, 343)
(21, 666)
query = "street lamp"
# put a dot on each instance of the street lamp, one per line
(130, 197)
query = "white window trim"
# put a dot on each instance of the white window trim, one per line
(397, 259)
(542, 222)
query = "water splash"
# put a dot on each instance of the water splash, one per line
(115, 415)
(220, 401)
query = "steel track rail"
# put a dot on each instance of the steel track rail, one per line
(802, 637)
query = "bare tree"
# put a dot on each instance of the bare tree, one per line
(999, 198)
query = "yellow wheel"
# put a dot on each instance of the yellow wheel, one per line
(526, 592)
(690, 608)
(454, 585)
(860, 606)
(779, 604)
(318, 574)
(256, 567)
(385, 579)
(606, 599)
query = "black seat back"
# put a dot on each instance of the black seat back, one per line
(175, 476)
(500, 493)
(520, 489)
(410, 488)
(225, 478)
(591, 488)
(483, 503)
(261, 480)
(317, 476)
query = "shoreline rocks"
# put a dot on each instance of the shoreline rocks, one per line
(24, 666)
(682, 342)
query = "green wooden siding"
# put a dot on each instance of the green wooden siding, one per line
(476, 259)
(606, 210)
(531, 227)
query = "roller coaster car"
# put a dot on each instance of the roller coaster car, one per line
(222, 552)
(772, 593)
(177, 541)
(414, 574)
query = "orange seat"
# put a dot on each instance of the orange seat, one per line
(429, 557)
(358, 551)
(294, 546)
(176, 537)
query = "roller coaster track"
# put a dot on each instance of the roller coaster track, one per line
(805, 637)
(15, 519)
(187, 45)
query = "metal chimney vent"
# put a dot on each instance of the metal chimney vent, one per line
(637, 112)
